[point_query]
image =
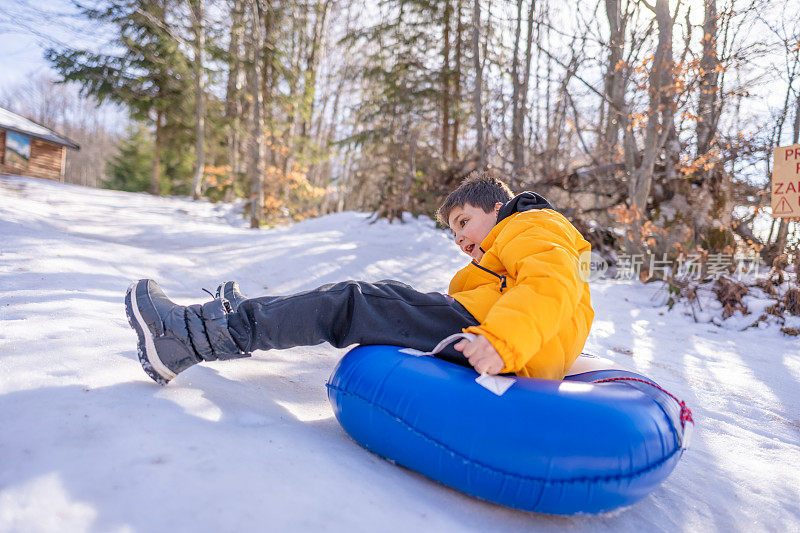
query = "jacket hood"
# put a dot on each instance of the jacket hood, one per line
(525, 201)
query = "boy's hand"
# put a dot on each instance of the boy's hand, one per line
(481, 355)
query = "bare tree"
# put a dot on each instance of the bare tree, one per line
(476, 92)
(235, 98)
(199, 45)
(517, 114)
(445, 77)
(459, 44)
(708, 100)
(256, 150)
(661, 91)
(313, 55)
(615, 78)
(522, 112)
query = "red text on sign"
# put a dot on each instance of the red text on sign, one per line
(786, 187)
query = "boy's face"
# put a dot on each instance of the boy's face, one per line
(470, 225)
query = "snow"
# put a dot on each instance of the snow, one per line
(706, 307)
(89, 443)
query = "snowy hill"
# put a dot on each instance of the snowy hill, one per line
(89, 443)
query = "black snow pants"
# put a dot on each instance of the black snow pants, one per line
(349, 312)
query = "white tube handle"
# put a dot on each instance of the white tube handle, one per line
(496, 384)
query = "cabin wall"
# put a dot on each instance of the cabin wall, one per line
(46, 160)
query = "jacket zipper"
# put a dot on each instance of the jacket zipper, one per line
(501, 276)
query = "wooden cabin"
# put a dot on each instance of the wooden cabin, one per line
(30, 149)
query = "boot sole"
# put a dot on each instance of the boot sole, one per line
(148, 356)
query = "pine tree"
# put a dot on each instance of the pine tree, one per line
(130, 169)
(151, 75)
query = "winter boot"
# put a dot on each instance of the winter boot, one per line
(230, 291)
(173, 337)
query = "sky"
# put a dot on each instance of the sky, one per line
(27, 30)
(20, 56)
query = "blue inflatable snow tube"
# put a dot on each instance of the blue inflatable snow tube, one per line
(557, 447)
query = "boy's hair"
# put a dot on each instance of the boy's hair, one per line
(480, 189)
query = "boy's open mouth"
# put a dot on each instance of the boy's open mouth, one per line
(470, 248)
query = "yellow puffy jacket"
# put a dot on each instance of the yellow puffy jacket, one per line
(526, 293)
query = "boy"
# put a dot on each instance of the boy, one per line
(521, 295)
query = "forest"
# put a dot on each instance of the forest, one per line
(649, 124)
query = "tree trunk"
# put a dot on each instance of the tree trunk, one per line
(484, 55)
(476, 93)
(614, 81)
(256, 151)
(322, 173)
(444, 78)
(796, 130)
(295, 112)
(234, 98)
(713, 213)
(312, 64)
(536, 120)
(523, 104)
(155, 176)
(329, 137)
(661, 93)
(707, 100)
(270, 150)
(411, 176)
(516, 112)
(457, 81)
(198, 13)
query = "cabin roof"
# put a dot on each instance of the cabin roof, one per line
(17, 123)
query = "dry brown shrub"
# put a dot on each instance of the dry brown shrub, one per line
(780, 262)
(791, 300)
(730, 294)
(691, 293)
(767, 286)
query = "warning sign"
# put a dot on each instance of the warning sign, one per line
(786, 182)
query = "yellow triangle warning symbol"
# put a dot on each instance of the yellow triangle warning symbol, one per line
(783, 207)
